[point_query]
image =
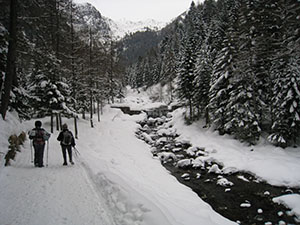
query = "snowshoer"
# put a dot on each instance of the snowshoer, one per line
(67, 141)
(39, 136)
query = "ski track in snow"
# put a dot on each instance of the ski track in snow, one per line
(49, 195)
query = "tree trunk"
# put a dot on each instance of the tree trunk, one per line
(51, 123)
(75, 127)
(98, 110)
(11, 58)
(91, 109)
(57, 28)
(101, 108)
(171, 90)
(191, 109)
(60, 121)
(207, 119)
(57, 121)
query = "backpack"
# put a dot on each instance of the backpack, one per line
(39, 137)
(67, 138)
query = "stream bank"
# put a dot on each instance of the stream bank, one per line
(237, 195)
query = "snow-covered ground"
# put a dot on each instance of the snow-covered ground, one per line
(115, 180)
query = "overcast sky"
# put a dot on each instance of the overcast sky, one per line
(136, 10)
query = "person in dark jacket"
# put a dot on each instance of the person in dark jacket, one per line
(67, 141)
(39, 136)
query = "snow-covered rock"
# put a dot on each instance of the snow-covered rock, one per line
(166, 156)
(186, 176)
(215, 169)
(198, 163)
(229, 170)
(224, 182)
(290, 201)
(176, 149)
(147, 138)
(185, 163)
(243, 178)
(191, 151)
(245, 205)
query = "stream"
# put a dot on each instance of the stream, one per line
(238, 196)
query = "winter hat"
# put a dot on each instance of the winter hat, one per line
(64, 126)
(38, 123)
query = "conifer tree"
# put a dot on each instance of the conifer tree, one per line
(285, 73)
(202, 80)
(223, 72)
(186, 76)
(3, 54)
(10, 70)
(244, 103)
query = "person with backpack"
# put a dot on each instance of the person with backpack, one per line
(67, 141)
(39, 136)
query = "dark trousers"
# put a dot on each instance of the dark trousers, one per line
(38, 154)
(66, 148)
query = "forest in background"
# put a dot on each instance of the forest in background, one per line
(233, 63)
(237, 66)
(56, 64)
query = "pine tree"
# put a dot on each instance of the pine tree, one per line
(203, 73)
(223, 72)
(3, 54)
(286, 100)
(10, 71)
(285, 72)
(52, 96)
(244, 104)
(169, 51)
(186, 76)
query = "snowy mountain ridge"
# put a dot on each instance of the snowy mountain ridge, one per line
(103, 27)
(120, 28)
(88, 19)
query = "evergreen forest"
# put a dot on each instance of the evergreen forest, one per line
(236, 65)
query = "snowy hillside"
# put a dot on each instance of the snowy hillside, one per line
(87, 17)
(122, 27)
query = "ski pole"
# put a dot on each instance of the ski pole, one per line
(76, 151)
(31, 155)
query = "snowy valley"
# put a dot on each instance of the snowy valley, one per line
(117, 180)
(193, 122)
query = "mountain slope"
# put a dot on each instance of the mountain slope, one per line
(122, 27)
(87, 17)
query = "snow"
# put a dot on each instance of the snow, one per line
(291, 201)
(116, 180)
(275, 165)
(123, 27)
(224, 182)
(214, 169)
